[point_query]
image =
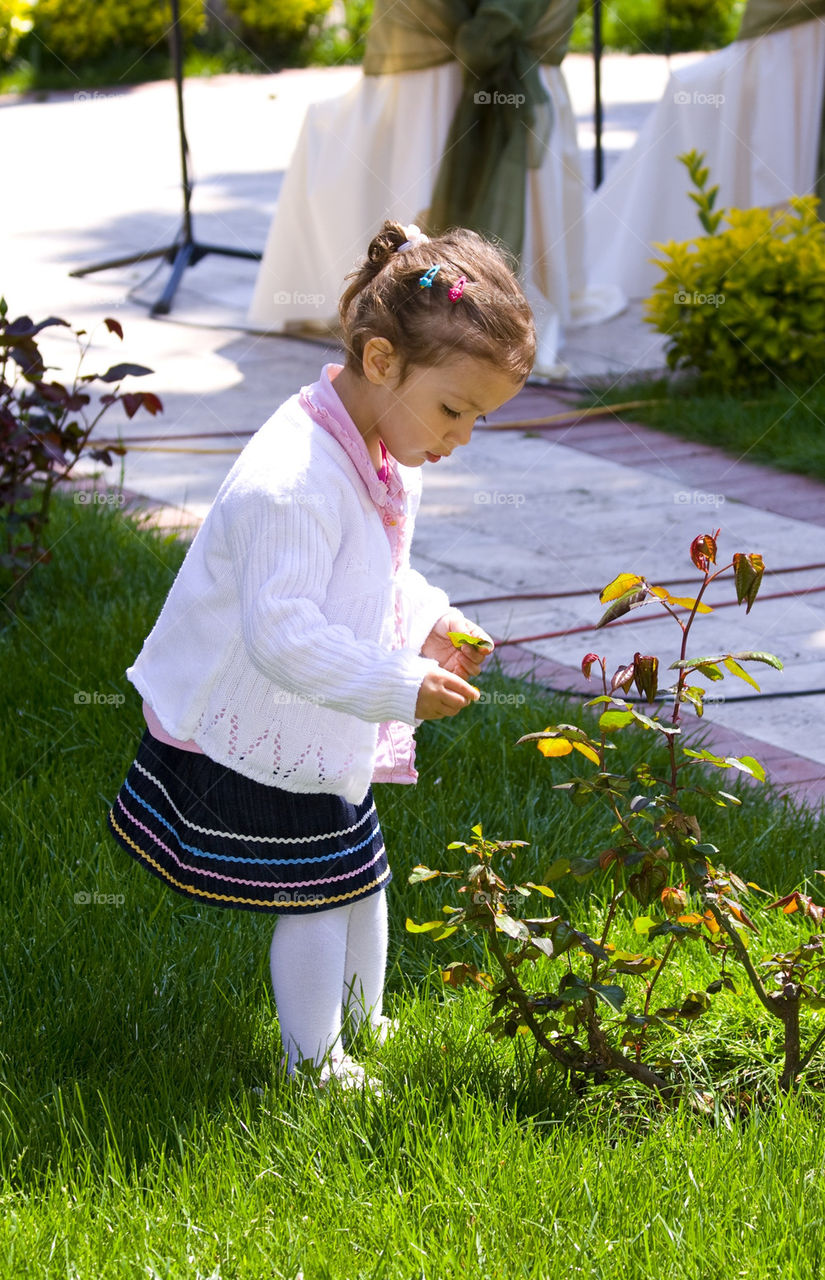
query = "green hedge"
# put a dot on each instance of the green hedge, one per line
(279, 33)
(15, 21)
(276, 33)
(77, 32)
(659, 26)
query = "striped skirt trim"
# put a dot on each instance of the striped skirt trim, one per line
(195, 824)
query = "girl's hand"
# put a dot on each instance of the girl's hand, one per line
(466, 661)
(443, 694)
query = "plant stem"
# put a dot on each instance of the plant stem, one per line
(614, 1059)
(655, 977)
(744, 958)
(790, 1016)
(811, 1051)
(521, 1000)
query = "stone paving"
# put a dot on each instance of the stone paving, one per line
(556, 510)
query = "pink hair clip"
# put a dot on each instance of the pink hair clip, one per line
(456, 290)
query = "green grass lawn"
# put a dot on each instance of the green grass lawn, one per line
(136, 1031)
(785, 428)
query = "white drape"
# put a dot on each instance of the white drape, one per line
(374, 153)
(754, 108)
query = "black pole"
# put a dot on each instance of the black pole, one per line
(186, 251)
(177, 62)
(598, 159)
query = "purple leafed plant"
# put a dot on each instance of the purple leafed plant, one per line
(45, 427)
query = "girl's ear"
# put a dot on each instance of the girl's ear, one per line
(379, 361)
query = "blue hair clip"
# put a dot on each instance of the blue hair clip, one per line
(426, 281)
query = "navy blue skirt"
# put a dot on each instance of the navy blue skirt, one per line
(219, 837)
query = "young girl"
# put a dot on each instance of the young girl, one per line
(297, 648)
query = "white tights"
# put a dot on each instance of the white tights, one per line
(321, 962)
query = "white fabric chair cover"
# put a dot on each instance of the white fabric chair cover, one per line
(374, 153)
(754, 108)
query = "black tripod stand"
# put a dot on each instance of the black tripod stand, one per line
(186, 251)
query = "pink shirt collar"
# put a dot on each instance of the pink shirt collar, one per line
(325, 407)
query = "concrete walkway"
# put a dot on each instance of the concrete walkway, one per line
(557, 511)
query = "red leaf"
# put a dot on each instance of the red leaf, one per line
(114, 326)
(587, 663)
(151, 402)
(622, 679)
(703, 550)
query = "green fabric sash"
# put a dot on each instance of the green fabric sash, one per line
(762, 17)
(504, 117)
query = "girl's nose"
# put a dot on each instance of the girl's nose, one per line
(461, 434)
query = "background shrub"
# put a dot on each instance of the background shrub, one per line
(745, 306)
(659, 26)
(15, 21)
(280, 34)
(77, 32)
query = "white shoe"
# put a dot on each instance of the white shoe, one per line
(384, 1028)
(349, 1074)
(344, 1071)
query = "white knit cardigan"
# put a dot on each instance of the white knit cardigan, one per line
(274, 648)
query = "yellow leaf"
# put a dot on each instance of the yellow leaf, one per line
(619, 585)
(554, 746)
(687, 602)
(540, 888)
(586, 751)
(735, 669)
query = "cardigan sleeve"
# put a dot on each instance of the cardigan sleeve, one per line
(424, 604)
(283, 554)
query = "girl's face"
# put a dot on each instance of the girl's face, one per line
(435, 409)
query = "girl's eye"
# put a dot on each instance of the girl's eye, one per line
(451, 413)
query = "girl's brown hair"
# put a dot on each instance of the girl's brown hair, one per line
(491, 320)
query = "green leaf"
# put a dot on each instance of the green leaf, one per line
(631, 962)
(754, 766)
(751, 655)
(611, 995)
(670, 927)
(513, 928)
(438, 928)
(460, 638)
(420, 873)
(643, 924)
(610, 720)
(705, 755)
(557, 869)
(747, 655)
(736, 670)
(748, 570)
(628, 600)
(668, 730)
